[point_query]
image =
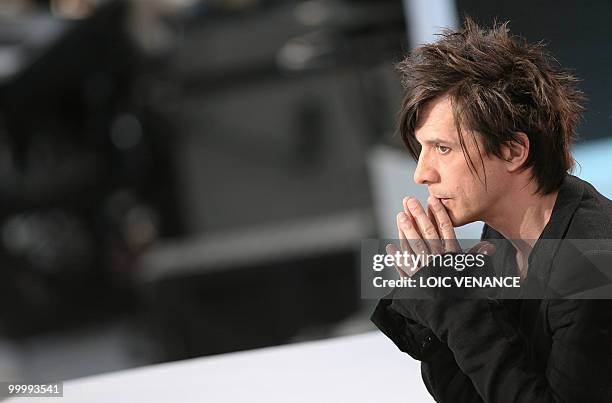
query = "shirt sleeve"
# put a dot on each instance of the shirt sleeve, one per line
(490, 351)
(441, 374)
(410, 337)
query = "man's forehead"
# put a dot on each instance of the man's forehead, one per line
(434, 135)
(436, 121)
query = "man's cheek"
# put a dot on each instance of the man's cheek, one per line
(454, 219)
(457, 213)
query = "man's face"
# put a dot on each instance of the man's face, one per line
(443, 167)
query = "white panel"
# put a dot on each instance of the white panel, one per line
(425, 18)
(363, 368)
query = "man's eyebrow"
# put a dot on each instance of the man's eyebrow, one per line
(435, 140)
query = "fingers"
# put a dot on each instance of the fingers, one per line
(426, 226)
(409, 268)
(404, 264)
(444, 224)
(392, 250)
(402, 238)
(409, 231)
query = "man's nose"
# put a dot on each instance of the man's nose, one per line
(424, 173)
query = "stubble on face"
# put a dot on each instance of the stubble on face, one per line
(467, 192)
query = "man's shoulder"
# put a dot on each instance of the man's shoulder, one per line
(592, 218)
(580, 212)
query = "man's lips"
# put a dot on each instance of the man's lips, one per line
(443, 200)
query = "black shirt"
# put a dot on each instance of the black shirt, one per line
(520, 350)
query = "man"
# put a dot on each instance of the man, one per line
(490, 119)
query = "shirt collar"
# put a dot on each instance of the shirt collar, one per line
(568, 199)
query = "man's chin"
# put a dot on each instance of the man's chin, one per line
(459, 221)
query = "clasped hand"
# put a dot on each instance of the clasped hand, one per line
(426, 233)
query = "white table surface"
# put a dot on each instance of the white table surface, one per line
(362, 368)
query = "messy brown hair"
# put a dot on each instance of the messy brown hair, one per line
(498, 84)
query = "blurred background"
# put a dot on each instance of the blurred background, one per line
(182, 178)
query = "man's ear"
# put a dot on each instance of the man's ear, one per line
(515, 152)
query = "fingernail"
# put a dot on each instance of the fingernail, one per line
(403, 217)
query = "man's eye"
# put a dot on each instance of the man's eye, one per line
(443, 149)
